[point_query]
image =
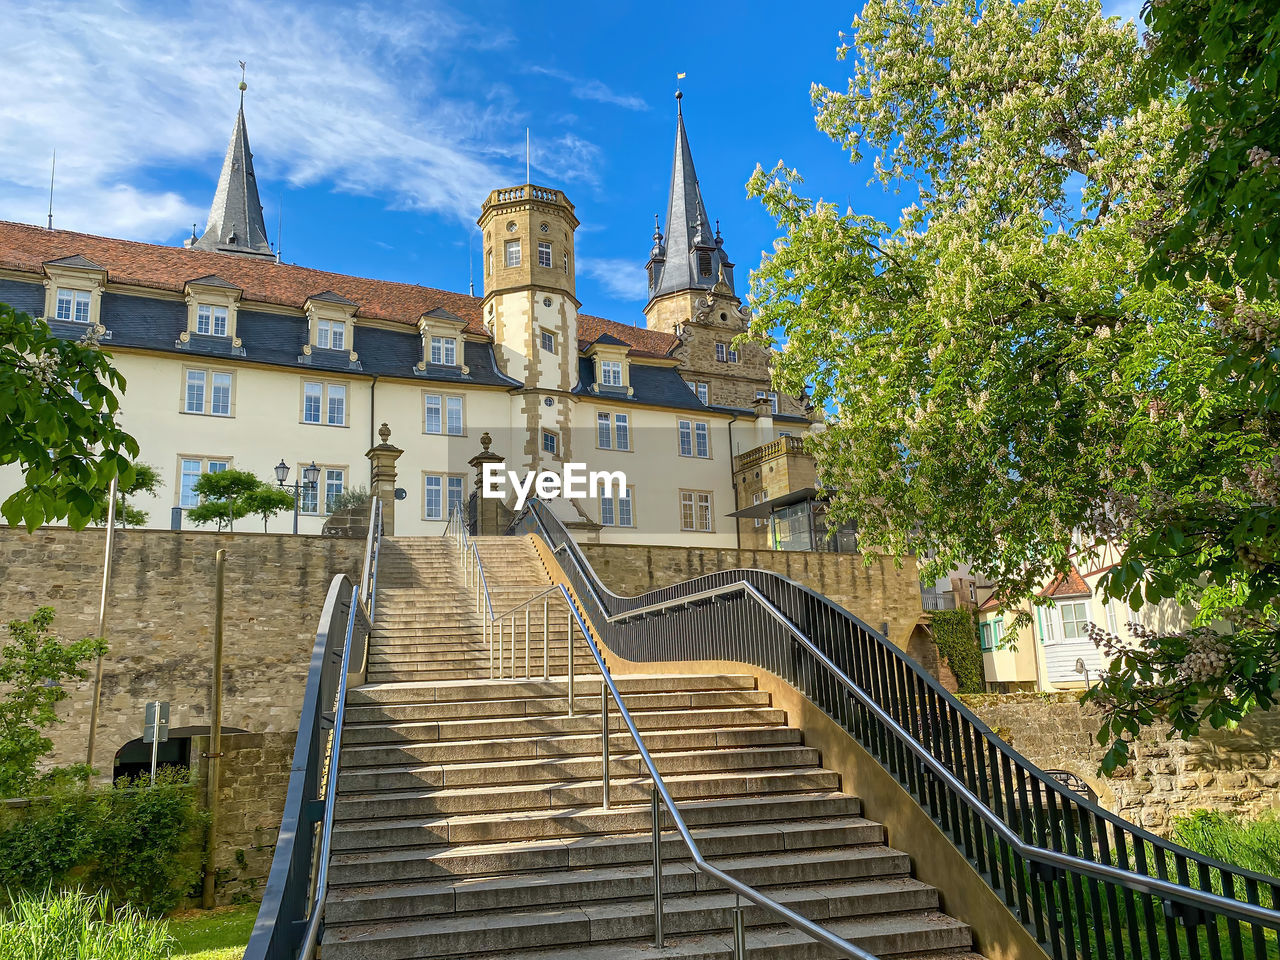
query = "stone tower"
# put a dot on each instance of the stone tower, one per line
(235, 216)
(531, 309)
(685, 265)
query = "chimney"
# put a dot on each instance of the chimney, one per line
(764, 421)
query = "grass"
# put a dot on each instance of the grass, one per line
(75, 925)
(1253, 844)
(212, 934)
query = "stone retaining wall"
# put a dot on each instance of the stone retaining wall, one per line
(1235, 771)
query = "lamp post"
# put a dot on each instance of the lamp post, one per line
(310, 476)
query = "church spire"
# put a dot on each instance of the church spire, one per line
(693, 259)
(235, 218)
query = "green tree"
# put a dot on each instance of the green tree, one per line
(223, 497)
(998, 381)
(266, 500)
(1224, 57)
(34, 663)
(146, 479)
(59, 420)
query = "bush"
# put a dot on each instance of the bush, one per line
(356, 497)
(75, 925)
(1253, 844)
(141, 845)
(956, 634)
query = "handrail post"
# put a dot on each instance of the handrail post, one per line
(571, 666)
(604, 743)
(526, 643)
(513, 646)
(739, 931)
(500, 626)
(546, 660)
(659, 940)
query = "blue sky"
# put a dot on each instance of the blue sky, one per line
(381, 127)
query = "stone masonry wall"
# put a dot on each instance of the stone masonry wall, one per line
(160, 624)
(1233, 771)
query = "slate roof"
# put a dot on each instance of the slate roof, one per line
(74, 261)
(660, 386)
(235, 217)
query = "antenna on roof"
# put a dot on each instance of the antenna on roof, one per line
(53, 168)
(471, 274)
(527, 177)
(279, 225)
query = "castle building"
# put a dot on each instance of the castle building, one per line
(235, 360)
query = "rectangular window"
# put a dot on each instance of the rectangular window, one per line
(625, 514)
(444, 350)
(211, 320)
(220, 398)
(616, 511)
(611, 373)
(453, 416)
(337, 405)
(604, 431)
(331, 334)
(547, 340)
(73, 305)
(722, 351)
(190, 469)
(606, 512)
(455, 495)
(695, 511)
(433, 497)
(702, 442)
(621, 431)
(550, 442)
(755, 498)
(195, 391)
(513, 253)
(685, 429)
(773, 399)
(333, 482)
(733, 355)
(544, 254)
(1075, 619)
(433, 422)
(312, 401)
(699, 388)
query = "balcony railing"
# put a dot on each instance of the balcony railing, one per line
(767, 451)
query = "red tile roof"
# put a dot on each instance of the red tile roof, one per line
(27, 248)
(1070, 585)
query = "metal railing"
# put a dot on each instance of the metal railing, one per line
(291, 919)
(1083, 881)
(500, 631)
(660, 794)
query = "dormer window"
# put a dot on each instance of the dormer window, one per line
(513, 253)
(444, 350)
(331, 334)
(611, 373)
(704, 262)
(73, 305)
(211, 321)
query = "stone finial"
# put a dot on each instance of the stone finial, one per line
(485, 441)
(384, 433)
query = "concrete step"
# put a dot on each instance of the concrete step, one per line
(369, 711)
(580, 793)
(490, 728)
(575, 822)
(607, 924)
(527, 748)
(506, 771)
(799, 852)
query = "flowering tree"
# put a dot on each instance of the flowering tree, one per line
(999, 378)
(59, 420)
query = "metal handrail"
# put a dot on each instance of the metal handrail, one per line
(290, 920)
(840, 945)
(1187, 902)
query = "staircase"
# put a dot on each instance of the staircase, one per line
(469, 821)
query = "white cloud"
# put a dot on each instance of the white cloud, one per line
(356, 98)
(622, 279)
(592, 89)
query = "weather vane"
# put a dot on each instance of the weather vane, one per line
(243, 86)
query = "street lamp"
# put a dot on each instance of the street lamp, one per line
(310, 476)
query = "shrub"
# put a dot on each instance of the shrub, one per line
(355, 497)
(75, 925)
(956, 634)
(141, 845)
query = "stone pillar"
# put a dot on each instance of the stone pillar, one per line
(764, 420)
(384, 457)
(491, 514)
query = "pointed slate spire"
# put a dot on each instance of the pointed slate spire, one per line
(235, 218)
(693, 259)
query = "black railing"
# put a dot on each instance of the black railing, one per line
(1086, 883)
(291, 916)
